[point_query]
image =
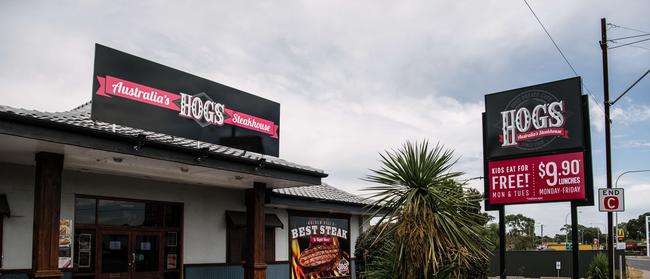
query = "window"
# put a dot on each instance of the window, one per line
(91, 211)
(238, 246)
(84, 211)
(120, 213)
(84, 249)
(237, 241)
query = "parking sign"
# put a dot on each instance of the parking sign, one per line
(611, 200)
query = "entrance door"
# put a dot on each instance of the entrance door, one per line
(130, 255)
(114, 255)
(147, 256)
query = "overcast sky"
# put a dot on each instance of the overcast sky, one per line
(354, 77)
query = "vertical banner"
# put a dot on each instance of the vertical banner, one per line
(65, 244)
(319, 247)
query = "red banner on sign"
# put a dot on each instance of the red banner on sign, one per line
(112, 86)
(537, 179)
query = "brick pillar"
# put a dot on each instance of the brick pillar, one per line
(47, 206)
(255, 266)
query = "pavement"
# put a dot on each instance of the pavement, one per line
(640, 262)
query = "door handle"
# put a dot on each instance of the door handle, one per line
(132, 258)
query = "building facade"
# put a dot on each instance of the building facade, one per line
(88, 199)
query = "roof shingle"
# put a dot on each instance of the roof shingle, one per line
(80, 117)
(323, 192)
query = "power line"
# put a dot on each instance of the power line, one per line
(563, 56)
(641, 47)
(629, 43)
(627, 28)
(552, 40)
(628, 37)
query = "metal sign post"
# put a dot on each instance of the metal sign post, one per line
(647, 235)
(574, 240)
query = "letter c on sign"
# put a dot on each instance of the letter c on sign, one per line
(611, 202)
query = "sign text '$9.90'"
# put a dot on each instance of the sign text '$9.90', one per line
(534, 179)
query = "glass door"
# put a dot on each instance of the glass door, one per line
(147, 256)
(114, 255)
(130, 255)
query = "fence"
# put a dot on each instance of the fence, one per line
(542, 263)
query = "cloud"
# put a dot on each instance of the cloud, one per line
(631, 114)
(596, 116)
(353, 78)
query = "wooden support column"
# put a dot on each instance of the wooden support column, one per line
(255, 266)
(47, 205)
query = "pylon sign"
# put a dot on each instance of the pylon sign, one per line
(536, 145)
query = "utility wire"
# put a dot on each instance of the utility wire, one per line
(627, 28)
(629, 43)
(628, 89)
(641, 47)
(628, 37)
(563, 56)
(549, 36)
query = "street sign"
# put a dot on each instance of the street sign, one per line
(558, 265)
(620, 246)
(611, 200)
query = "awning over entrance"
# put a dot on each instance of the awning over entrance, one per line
(238, 219)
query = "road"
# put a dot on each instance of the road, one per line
(642, 263)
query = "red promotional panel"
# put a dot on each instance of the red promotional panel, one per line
(537, 179)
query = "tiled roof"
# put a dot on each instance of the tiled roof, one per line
(323, 192)
(80, 117)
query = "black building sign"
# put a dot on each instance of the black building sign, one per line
(134, 92)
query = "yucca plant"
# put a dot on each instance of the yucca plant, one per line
(437, 225)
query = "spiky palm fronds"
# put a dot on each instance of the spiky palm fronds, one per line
(437, 224)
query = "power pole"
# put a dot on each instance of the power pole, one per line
(611, 256)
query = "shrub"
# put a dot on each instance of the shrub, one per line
(371, 253)
(598, 268)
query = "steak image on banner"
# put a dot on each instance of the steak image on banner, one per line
(319, 247)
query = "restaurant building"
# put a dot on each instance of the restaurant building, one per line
(82, 197)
